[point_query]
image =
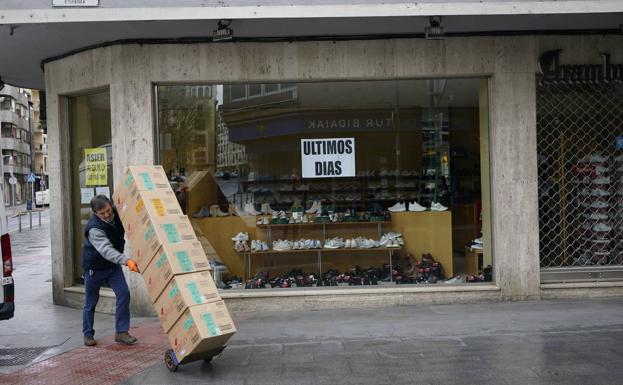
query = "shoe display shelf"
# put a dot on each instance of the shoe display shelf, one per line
(323, 225)
(592, 214)
(319, 251)
(360, 192)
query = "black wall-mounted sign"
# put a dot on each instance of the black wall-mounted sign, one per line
(551, 70)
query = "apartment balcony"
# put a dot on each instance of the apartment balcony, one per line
(20, 97)
(8, 116)
(15, 144)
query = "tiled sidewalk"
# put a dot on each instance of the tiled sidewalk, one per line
(106, 363)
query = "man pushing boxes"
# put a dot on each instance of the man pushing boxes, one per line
(173, 264)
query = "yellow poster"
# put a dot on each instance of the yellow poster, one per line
(96, 166)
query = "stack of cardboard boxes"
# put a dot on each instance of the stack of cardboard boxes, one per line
(172, 261)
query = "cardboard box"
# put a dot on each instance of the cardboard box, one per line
(183, 291)
(200, 329)
(139, 178)
(148, 235)
(153, 204)
(172, 259)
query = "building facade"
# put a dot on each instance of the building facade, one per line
(497, 136)
(16, 118)
(40, 143)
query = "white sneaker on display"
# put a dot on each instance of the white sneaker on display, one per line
(600, 193)
(281, 245)
(595, 158)
(334, 243)
(416, 207)
(313, 208)
(601, 227)
(596, 216)
(249, 209)
(397, 208)
(434, 206)
(455, 280)
(266, 209)
(602, 180)
(241, 237)
(599, 205)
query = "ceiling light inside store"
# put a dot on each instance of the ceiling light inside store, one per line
(435, 31)
(223, 32)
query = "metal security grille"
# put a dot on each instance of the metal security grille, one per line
(580, 171)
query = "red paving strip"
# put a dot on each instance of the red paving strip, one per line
(106, 363)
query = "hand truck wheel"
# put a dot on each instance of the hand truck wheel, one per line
(169, 361)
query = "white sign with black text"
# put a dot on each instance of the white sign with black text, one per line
(328, 158)
(75, 3)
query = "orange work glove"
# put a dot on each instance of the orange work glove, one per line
(132, 265)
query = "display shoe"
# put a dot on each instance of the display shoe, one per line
(348, 244)
(397, 208)
(215, 211)
(241, 237)
(232, 210)
(249, 209)
(238, 246)
(253, 245)
(202, 213)
(266, 209)
(414, 206)
(313, 208)
(334, 243)
(245, 246)
(434, 206)
(297, 205)
(281, 245)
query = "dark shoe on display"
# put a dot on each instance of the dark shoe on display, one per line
(488, 273)
(89, 341)
(125, 338)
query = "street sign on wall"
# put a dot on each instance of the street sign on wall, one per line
(75, 3)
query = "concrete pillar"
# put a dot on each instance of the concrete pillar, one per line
(514, 194)
(132, 130)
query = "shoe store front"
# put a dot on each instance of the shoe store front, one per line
(332, 174)
(345, 184)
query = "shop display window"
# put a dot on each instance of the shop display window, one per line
(315, 184)
(89, 130)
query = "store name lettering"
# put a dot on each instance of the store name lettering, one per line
(349, 123)
(552, 70)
